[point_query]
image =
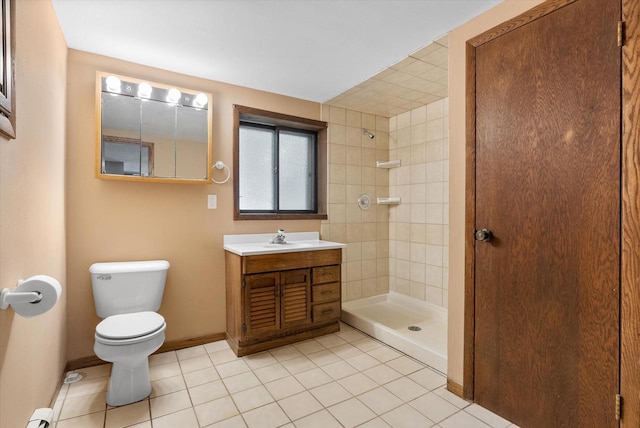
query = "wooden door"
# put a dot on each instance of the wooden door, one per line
(261, 304)
(547, 184)
(296, 297)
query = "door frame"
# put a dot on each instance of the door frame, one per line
(630, 191)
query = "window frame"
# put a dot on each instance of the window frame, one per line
(279, 121)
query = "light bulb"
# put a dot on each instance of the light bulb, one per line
(200, 100)
(174, 95)
(113, 84)
(144, 90)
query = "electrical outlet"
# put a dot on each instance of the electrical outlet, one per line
(212, 202)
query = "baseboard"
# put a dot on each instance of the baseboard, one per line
(173, 345)
(455, 388)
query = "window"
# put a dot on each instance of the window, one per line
(279, 166)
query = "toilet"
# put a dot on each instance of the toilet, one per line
(127, 296)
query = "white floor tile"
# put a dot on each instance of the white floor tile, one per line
(405, 389)
(339, 369)
(183, 419)
(220, 345)
(194, 351)
(207, 392)
(351, 413)
(323, 358)
(463, 419)
(268, 374)
(384, 354)
(330, 394)
(200, 377)
(367, 344)
(357, 383)
(375, 423)
(241, 382)
(382, 374)
(362, 361)
(380, 400)
(216, 410)
(232, 368)
(263, 359)
(405, 365)
(163, 358)
(94, 420)
(194, 364)
(88, 387)
(300, 405)
(169, 403)
(223, 356)
(131, 414)
(167, 386)
(164, 371)
(234, 422)
(428, 378)
(433, 407)
(330, 341)
(252, 398)
(269, 416)
(298, 365)
(406, 417)
(83, 405)
(309, 346)
(321, 419)
(345, 351)
(312, 378)
(285, 387)
(285, 353)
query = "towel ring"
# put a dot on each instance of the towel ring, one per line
(221, 165)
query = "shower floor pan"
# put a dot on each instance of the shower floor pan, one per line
(388, 317)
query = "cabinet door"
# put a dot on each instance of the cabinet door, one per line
(296, 297)
(261, 304)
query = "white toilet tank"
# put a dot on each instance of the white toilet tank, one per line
(126, 287)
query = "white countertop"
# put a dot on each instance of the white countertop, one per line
(254, 244)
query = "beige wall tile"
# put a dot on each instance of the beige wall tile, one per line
(354, 118)
(337, 115)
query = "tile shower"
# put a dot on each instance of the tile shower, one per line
(394, 252)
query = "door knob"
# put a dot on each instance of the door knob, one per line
(484, 235)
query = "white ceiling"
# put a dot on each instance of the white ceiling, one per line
(309, 49)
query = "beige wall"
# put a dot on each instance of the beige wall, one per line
(418, 226)
(32, 231)
(352, 172)
(114, 220)
(457, 67)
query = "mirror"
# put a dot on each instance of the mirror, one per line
(152, 132)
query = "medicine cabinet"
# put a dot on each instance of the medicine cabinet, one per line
(152, 132)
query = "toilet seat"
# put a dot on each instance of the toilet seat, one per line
(125, 329)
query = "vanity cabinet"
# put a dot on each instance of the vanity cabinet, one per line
(277, 299)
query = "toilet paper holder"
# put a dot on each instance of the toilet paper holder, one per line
(8, 297)
(33, 296)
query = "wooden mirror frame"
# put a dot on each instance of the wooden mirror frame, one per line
(98, 140)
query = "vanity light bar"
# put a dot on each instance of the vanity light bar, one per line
(144, 90)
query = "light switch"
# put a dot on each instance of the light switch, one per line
(212, 202)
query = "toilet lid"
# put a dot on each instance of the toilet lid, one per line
(127, 326)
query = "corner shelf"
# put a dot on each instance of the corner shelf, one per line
(388, 164)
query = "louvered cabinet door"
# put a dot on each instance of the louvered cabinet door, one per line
(262, 304)
(295, 297)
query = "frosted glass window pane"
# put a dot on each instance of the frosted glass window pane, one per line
(296, 173)
(256, 187)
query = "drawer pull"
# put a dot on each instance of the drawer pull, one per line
(327, 311)
(324, 293)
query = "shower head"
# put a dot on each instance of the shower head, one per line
(367, 133)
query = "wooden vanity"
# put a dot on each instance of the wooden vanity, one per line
(281, 298)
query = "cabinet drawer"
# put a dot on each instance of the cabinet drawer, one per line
(325, 292)
(324, 274)
(326, 311)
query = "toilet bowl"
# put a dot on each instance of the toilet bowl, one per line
(127, 341)
(126, 295)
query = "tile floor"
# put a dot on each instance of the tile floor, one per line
(345, 379)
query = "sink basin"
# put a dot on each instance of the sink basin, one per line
(289, 245)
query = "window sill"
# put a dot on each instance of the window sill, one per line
(263, 216)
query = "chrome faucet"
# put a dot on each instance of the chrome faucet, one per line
(279, 238)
